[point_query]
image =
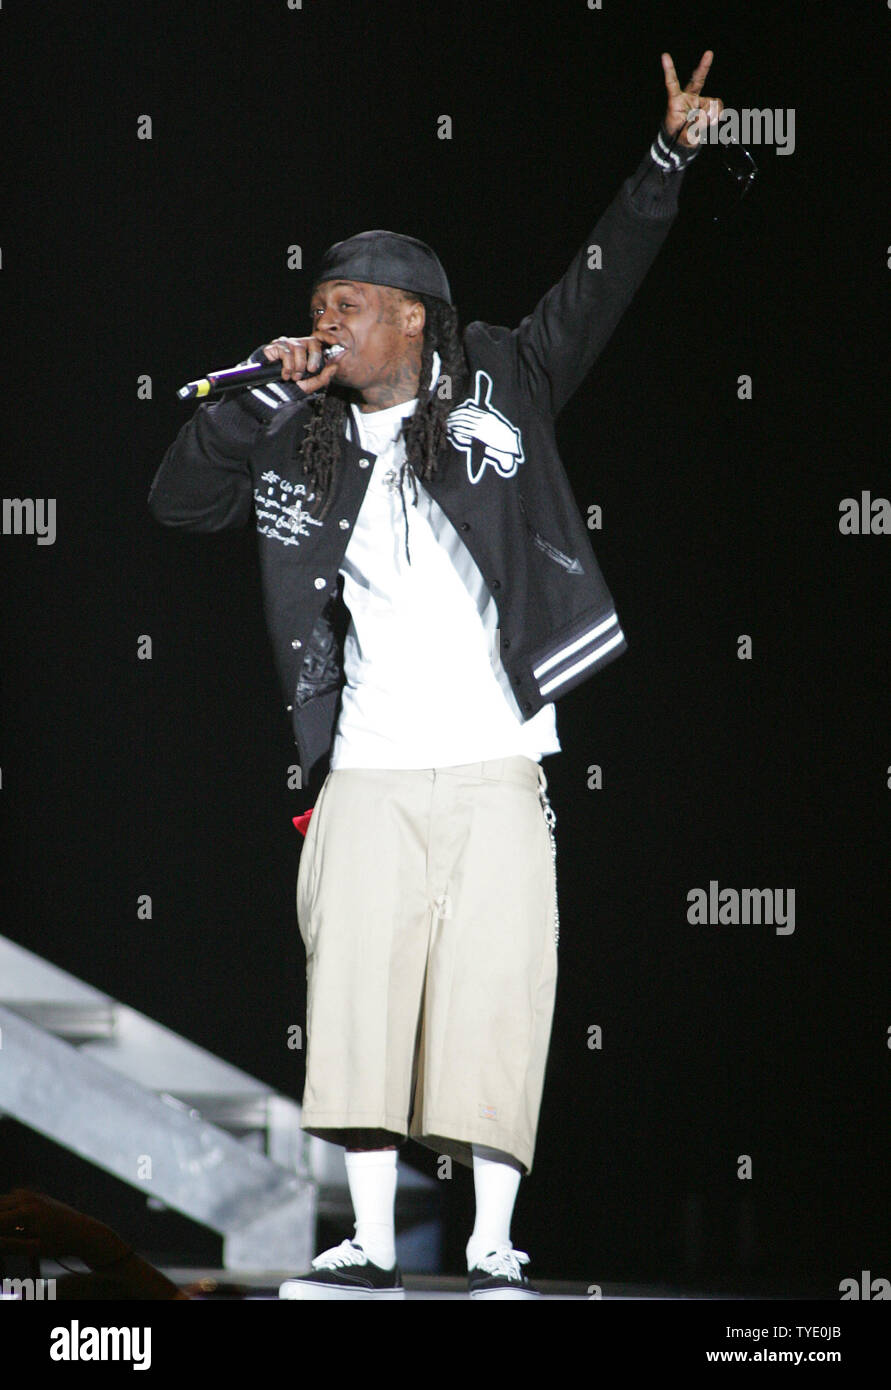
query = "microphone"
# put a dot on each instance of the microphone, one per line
(245, 375)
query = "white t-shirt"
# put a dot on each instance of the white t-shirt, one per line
(424, 684)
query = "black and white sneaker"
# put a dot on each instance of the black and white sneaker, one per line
(499, 1275)
(345, 1271)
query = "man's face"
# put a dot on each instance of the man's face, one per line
(380, 328)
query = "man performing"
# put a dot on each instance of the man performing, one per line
(430, 591)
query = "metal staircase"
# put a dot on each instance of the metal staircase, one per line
(170, 1118)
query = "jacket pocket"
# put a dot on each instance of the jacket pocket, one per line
(568, 562)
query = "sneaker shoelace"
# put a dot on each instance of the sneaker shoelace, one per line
(346, 1253)
(504, 1260)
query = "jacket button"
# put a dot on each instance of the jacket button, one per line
(505, 642)
(465, 526)
(344, 524)
(527, 704)
(296, 643)
(290, 707)
(496, 583)
(363, 463)
(319, 583)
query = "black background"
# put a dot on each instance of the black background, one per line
(169, 777)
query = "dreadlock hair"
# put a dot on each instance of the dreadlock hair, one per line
(424, 431)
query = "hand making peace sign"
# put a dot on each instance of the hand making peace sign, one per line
(690, 99)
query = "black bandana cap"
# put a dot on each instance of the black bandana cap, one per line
(385, 258)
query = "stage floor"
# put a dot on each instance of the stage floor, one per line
(231, 1284)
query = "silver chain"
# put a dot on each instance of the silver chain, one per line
(551, 820)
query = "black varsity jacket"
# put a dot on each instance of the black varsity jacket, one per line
(501, 483)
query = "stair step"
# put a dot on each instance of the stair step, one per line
(123, 1091)
(86, 1022)
(155, 1144)
(235, 1112)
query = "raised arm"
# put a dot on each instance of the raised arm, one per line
(558, 343)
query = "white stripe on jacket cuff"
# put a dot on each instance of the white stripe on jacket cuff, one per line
(668, 157)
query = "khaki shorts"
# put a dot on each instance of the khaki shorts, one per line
(427, 904)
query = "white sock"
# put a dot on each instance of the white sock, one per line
(496, 1178)
(372, 1178)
